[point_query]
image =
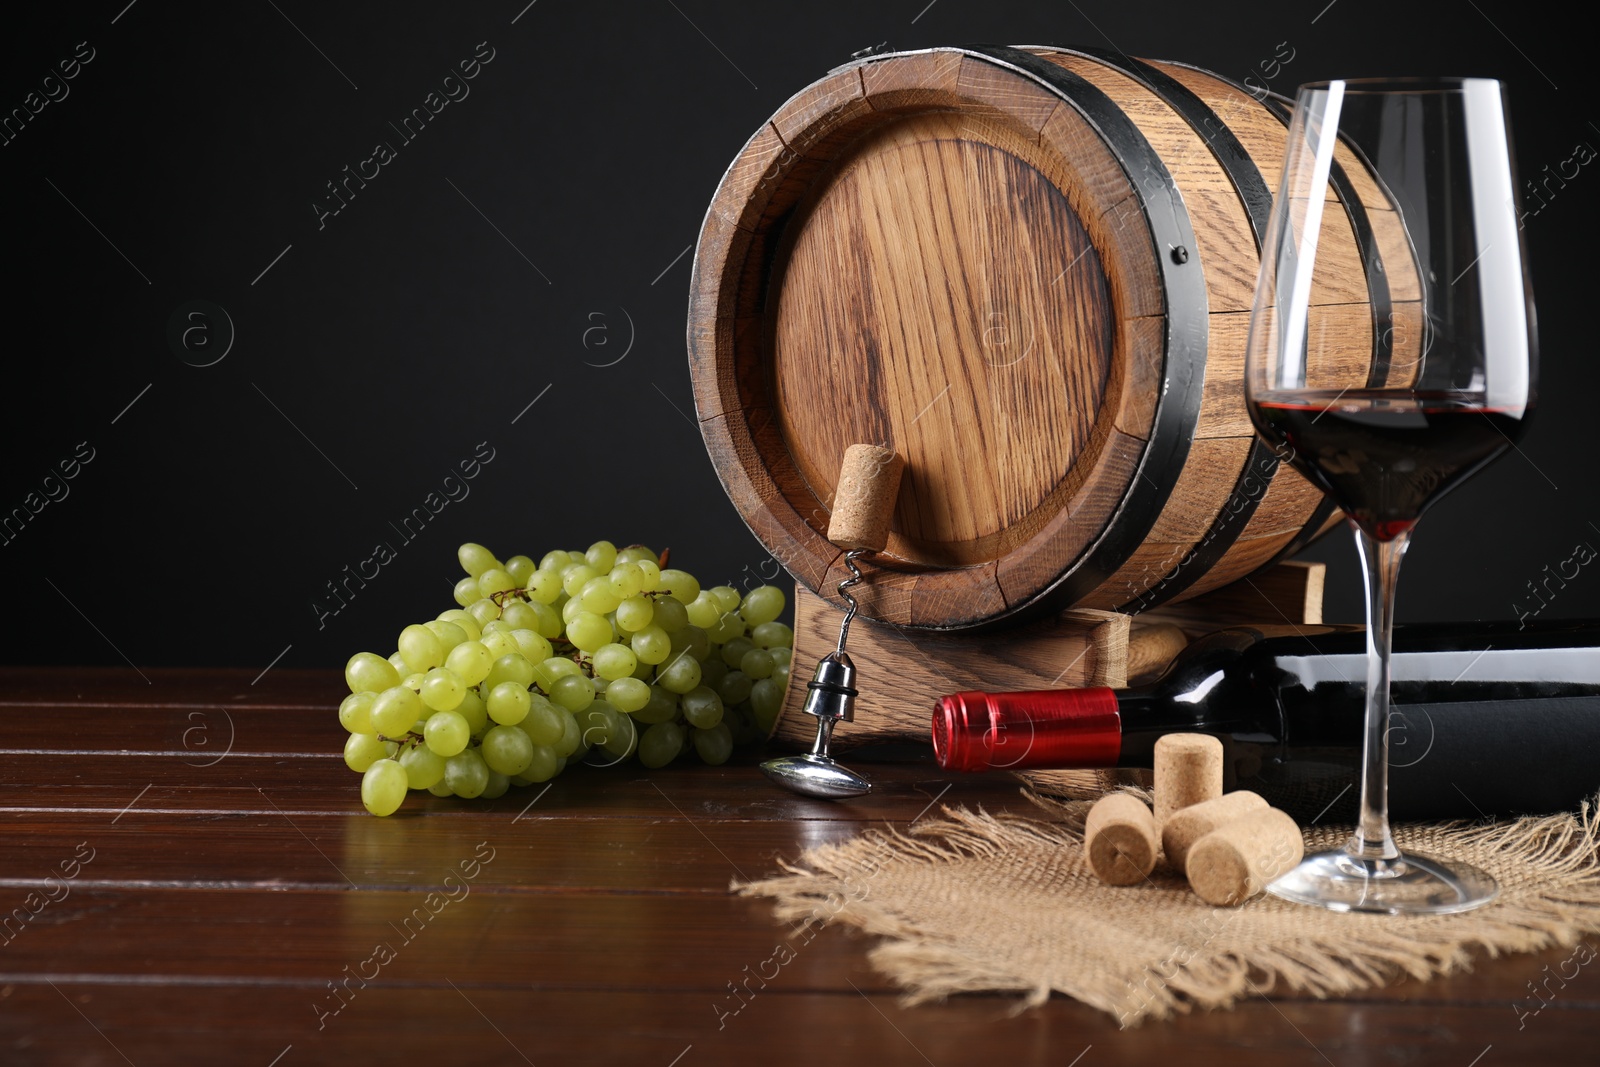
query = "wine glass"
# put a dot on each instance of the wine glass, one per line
(1392, 354)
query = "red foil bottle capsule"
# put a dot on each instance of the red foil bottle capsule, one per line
(1013, 731)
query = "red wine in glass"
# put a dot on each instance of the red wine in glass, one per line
(1385, 457)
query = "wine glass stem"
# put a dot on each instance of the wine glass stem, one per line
(1381, 562)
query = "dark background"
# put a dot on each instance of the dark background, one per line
(501, 258)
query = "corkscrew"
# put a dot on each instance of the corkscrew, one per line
(863, 506)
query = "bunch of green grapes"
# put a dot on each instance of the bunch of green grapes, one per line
(599, 655)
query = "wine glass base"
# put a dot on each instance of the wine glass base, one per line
(1414, 884)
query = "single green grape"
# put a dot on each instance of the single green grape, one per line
(651, 645)
(627, 579)
(702, 707)
(466, 591)
(360, 750)
(355, 713)
(424, 767)
(544, 585)
(441, 789)
(628, 694)
(394, 710)
(670, 615)
(635, 553)
(728, 598)
(466, 774)
(495, 580)
(679, 585)
(507, 750)
(496, 786)
(757, 663)
(508, 704)
(510, 667)
(368, 672)
(475, 559)
(573, 692)
(589, 631)
(471, 661)
(714, 745)
(735, 687)
(543, 722)
(599, 596)
(517, 615)
(520, 568)
(614, 661)
(602, 556)
(420, 649)
(635, 613)
(780, 674)
(383, 787)
(554, 560)
(781, 656)
(772, 635)
(762, 604)
(447, 733)
(680, 675)
(660, 744)
(704, 611)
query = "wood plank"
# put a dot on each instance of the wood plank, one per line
(540, 852)
(780, 1025)
(109, 784)
(582, 941)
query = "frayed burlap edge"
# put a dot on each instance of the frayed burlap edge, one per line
(1549, 865)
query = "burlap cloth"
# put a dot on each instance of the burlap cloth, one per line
(973, 902)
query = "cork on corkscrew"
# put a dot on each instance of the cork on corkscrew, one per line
(863, 504)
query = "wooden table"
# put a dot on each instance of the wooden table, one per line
(227, 879)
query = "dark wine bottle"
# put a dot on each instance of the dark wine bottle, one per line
(1486, 719)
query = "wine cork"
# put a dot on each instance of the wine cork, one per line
(1119, 839)
(1188, 770)
(1188, 825)
(863, 501)
(1234, 862)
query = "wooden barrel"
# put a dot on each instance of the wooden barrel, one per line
(1030, 272)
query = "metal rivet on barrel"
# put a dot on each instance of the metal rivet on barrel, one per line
(1180, 254)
